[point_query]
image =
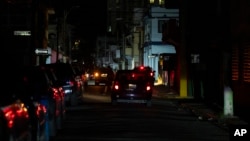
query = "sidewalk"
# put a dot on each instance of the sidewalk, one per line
(213, 113)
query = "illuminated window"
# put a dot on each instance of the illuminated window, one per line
(161, 2)
(158, 2)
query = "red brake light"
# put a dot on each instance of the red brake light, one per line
(15, 110)
(141, 67)
(116, 86)
(61, 90)
(148, 88)
(151, 73)
(9, 115)
(40, 109)
(55, 93)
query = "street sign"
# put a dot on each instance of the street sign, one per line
(41, 51)
(22, 33)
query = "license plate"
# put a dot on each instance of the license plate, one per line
(131, 86)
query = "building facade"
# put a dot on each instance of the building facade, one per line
(154, 48)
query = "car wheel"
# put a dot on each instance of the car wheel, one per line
(149, 103)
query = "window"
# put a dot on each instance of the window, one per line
(160, 25)
(235, 63)
(161, 2)
(157, 2)
(151, 1)
(246, 64)
(241, 63)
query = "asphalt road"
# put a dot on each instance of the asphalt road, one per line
(95, 119)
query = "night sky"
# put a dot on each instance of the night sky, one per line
(89, 18)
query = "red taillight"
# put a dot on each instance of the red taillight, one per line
(148, 88)
(40, 109)
(116, 86)
(141, 67)
(151, 74)
(55, 93)
(61, 90)
(15, 110)
(10, 115)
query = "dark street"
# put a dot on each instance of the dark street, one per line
(95, 119)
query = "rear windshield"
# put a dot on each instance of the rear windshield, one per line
(132, 76)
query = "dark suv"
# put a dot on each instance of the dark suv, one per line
(132, 86)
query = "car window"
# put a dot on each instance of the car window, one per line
(131, 76)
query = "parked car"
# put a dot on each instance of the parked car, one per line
(132, 86)
(59, 86)
(42, 90)
(71, 85)
(37, 111)
(21, 117)
(14, 119)
(80, 74)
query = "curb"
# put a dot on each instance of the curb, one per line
(204, 113)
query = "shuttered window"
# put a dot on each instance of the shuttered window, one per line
(235, 63)
(246, 63)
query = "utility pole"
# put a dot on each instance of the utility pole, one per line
(57, 39)
(64, 32)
